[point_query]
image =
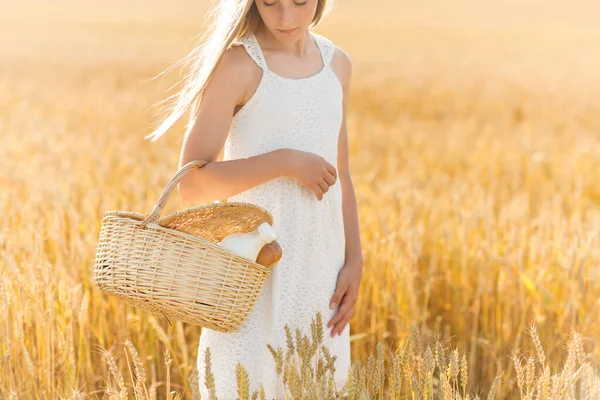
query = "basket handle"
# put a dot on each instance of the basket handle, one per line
(155, 214)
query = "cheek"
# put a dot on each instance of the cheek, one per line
(269, 16)
(308, 13)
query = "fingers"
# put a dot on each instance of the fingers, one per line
(330, 179)
(318, 191)
(326, 180)
(323, 185)
(339, 327)
(337, 296)
(332, 170)
(341, 313)
(341, 318)
(321, 188)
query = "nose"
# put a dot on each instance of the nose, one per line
(287, 16)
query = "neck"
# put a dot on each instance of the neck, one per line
(297, 46)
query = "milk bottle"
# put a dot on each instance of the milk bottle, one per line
(249, 244)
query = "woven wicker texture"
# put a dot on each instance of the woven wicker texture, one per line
(173, 265)
(215, 221)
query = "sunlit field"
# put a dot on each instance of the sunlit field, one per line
(474, 142)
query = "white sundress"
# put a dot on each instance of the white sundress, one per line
(304, 114)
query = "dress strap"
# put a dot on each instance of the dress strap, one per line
(327, 48)
(249, 41)
(253, 49)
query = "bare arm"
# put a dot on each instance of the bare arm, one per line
(354, 257)
(223, 179)
(234, 78)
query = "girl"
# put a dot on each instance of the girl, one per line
(272, 95)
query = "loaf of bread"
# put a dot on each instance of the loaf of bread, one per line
(270, 254)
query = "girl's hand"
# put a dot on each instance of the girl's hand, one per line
(312, 171)
(346, 291)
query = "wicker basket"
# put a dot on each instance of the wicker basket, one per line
(174, 265)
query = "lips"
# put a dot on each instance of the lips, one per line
(287, 32)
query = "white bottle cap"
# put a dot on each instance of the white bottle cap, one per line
(267, 232)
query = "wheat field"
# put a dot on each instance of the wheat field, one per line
(474, 141)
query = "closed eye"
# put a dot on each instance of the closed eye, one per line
(272, 4)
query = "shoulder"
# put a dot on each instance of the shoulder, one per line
(343, 59)
(236, 71)
(341, 63)
(340, 60)
(236, 60)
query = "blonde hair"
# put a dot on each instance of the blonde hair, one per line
(232, 19)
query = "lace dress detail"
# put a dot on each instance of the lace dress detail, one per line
(304, 114)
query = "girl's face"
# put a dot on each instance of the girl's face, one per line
(287, 19)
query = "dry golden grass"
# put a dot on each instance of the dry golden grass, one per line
(473, 145)
(417, 369)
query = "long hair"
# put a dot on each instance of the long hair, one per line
(231, 19)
